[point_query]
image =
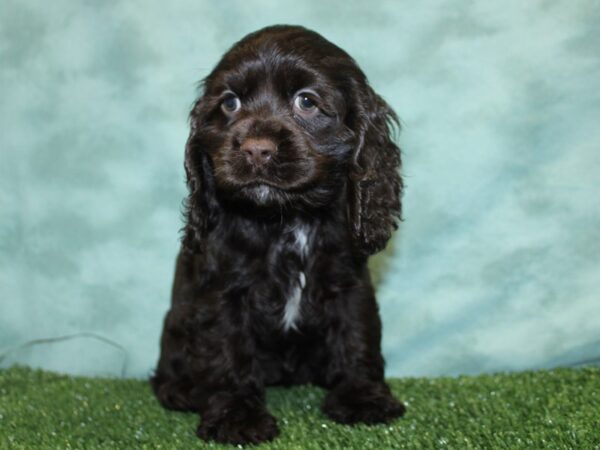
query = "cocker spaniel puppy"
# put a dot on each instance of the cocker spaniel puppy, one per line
(293, 182)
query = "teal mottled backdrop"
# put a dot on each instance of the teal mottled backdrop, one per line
(497, 265)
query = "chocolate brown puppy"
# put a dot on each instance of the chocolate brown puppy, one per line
(293, 183)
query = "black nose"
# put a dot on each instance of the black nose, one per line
(258, 151)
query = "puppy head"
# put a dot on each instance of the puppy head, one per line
(287, 119)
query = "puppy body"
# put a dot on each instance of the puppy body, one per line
(293, 183)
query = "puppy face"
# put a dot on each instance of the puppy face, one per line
(288, 122)
(274, 119)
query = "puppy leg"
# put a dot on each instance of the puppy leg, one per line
(354, 400)
(237, 418)
(234, 410)
(207, 366)
(172, 393)
(230, 390)
(355, 371)
(171, 381)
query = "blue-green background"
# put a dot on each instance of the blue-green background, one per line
(495, 267)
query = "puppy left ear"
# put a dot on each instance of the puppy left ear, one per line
(374, 186)
(201, 206)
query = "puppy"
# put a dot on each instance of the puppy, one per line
(293, 182)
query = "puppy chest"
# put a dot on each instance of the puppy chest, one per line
(293, 303)
(291, 264)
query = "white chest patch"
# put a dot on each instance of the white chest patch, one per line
(301, 241)
(292, 306)
(291, 313)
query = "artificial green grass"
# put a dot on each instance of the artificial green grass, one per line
(556, 409)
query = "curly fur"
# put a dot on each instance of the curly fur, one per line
(271, 286)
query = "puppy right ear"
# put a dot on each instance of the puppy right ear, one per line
(201, 206)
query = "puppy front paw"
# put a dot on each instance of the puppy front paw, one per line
(238, 422)
(369, 403)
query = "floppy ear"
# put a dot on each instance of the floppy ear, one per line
(201, 205)
(375, 186)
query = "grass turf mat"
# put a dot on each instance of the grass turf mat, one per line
(555, 409)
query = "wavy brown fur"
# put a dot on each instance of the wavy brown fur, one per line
(271, 285)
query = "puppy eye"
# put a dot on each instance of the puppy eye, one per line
(305, 105)
(231, 104)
